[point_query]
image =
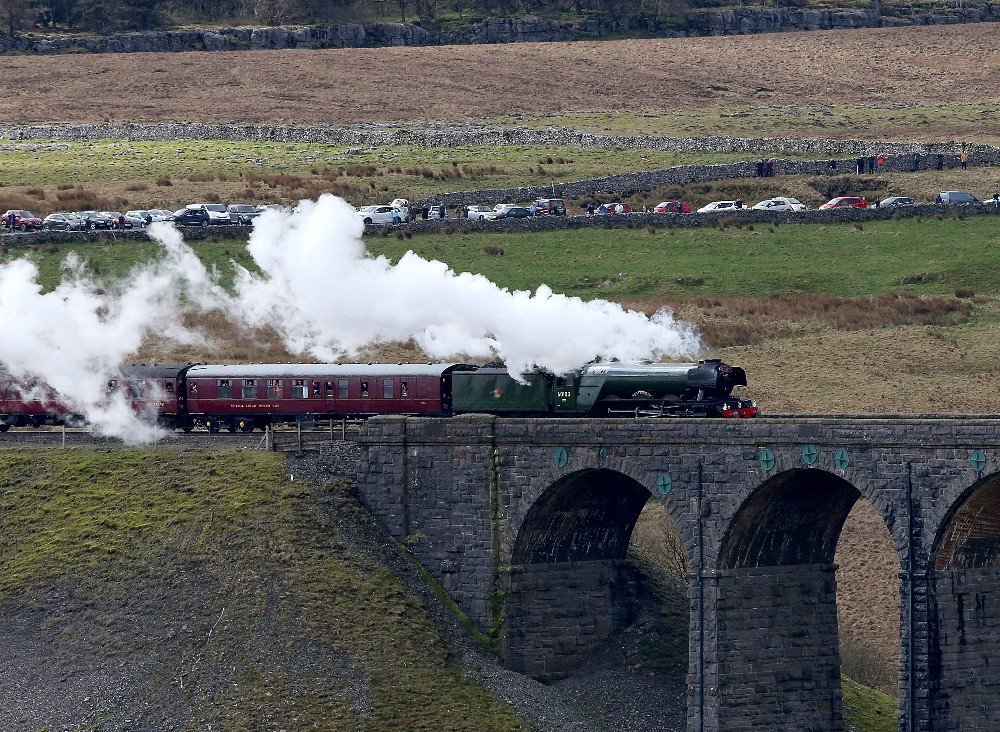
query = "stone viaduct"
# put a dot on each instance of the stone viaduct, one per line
(526, 524)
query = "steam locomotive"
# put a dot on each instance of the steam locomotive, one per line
(253, 396)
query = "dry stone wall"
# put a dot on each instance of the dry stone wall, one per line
(717, 21)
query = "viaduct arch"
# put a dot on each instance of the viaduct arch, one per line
(519, 519)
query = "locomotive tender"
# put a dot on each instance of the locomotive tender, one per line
(253, 396)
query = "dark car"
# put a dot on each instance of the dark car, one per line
(192, 217)
(896, 201)
(64, 222)
(956, 198)
(514, 212)
(23, 220)
(550, 207)
(242, 213)
(95, 220)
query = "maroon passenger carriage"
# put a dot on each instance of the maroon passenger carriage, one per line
(154, 391)
(245, 397)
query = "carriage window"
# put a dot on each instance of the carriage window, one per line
(300, 390)
(387, 389)
(402, 389)
(136, 389)
(170, 387)
(274, 389)
(112, 385)
(223, 389)
(194, 388)
(364, 388)
(329, 389)
(315, 388)
(249, 388)
(342, 388)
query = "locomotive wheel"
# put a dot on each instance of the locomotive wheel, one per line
(4, 426)
(247, 427)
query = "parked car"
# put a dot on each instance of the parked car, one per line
(217, 214)
(956, 198)
(120, 220)
(242, 213)
(845, 202)
(404, 208)
(550, 207)
(722, 206)
(498, 210)
(437, 212)
(614, 208)
(682, 207)
(149, 216)
(64, 222)
(781, 203)
(379, 214)
(477, 211)
(95, 220)
(512, 212)
(896, 201)
(23, 220)
(192, 217)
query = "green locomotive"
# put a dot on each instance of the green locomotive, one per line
(614, 389)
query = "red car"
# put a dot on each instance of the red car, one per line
(23, 221)
(846, 202)
(614, 208)
(681, 207)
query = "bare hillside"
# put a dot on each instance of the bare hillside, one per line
(893, 65)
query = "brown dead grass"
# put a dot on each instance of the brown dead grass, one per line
(890, 65)
(727, 322)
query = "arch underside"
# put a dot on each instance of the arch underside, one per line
(794, 518)
(585, 516)
(971, 534)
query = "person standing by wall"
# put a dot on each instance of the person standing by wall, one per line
(880, 162)
(916, 162)
(965, 160)
(940, 162)
(861, 166)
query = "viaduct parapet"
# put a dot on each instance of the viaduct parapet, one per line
(526, 523)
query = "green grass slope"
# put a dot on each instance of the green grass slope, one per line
(234, 597)
(868, 710)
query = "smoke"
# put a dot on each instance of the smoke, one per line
(76, 338)
(320, 289)
(329, 298)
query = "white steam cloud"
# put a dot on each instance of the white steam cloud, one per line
(322, 291)
(329, 299)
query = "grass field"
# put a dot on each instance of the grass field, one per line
(254, 602)
(886, 67)
(918, 121)
(46, 176)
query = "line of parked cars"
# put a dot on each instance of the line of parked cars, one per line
(194, 214)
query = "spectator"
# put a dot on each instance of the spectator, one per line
(769, 168)
(861, 165)
(832, 167)
(602, 209)
(533, 209)
(395, 217)
(939, 165)
(937, 199)
(916, 162)
(996, 200)
(760, 168)
(965, 159)
(590, 209)
(425, 213)
(739, 203)
(871, 163)
(880, 161)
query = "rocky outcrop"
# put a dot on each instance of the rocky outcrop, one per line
(721, 21)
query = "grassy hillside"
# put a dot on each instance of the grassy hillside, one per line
(231, 597)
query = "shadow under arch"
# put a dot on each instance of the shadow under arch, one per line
(969, 536)
(567, 593)
(584, 516)
(775, 603)
(792, 518)
(964, 603)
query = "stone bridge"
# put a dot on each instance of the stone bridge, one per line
(526, 524)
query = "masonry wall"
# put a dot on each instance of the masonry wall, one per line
(965, 653)
(559, 614)
(778, 654)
